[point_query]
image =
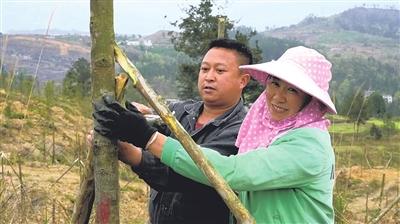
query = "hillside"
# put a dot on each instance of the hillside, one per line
(49, 56)
(366, 32)
(34, 187)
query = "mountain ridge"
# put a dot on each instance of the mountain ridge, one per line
(325, 33)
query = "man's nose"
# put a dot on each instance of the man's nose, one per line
(210, 76)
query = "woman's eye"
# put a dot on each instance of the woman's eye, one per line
(293, 90)
(275, 83)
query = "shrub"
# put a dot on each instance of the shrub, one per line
(375, 132)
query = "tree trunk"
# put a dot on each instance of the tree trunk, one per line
(105, 158)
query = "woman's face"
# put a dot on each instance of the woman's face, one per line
(283, 99)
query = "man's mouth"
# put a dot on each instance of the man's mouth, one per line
(208, 88)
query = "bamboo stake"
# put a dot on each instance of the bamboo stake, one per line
(2, 167)
(366, 208)
(382, 188)
(53, 158)
(221, 27)
(53, 212)
(386, 210)
(231, 200)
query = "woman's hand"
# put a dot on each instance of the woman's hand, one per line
(127, 153)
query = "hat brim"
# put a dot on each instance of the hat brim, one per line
(290, 73)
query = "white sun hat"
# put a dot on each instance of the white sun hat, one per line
(302, 67)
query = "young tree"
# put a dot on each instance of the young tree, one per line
(105, 158)
(376, 105)
(77, 82)
(104, 153)
(357, 110)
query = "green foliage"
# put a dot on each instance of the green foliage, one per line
(389, 126)
(377, 76)
(199, 27)
(77, 81)
(356, 108)
(340, 204)
(393, 108)
(187, 81)
(376, 105)
(159, 66)
(3, 78)
(273, 48)
(23, 83)
(374, 21)
(50, 93)
(9, 113)
(375, 132)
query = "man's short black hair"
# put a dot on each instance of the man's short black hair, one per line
(235, 45)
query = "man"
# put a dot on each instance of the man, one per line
(213, 123)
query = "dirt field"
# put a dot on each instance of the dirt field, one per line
(50, 191)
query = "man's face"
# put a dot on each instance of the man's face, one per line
(220, 82)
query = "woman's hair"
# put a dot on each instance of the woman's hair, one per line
(307, 100)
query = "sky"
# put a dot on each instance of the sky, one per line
(148, 16)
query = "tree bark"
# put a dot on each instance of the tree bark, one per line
(105, 157)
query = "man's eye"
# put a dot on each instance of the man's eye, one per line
(204, 69)
(220, 71)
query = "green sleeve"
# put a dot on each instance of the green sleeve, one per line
(293, 160)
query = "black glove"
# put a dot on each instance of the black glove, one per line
(114, 121)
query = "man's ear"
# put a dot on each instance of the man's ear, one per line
(244, 80)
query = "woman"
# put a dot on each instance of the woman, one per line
(285, 167)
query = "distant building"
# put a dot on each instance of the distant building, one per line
(388, 98)
(146, 43)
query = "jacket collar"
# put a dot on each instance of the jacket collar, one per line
(195, 109)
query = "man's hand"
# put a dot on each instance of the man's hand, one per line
(114, 121)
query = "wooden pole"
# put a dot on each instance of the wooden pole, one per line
(230, 198)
